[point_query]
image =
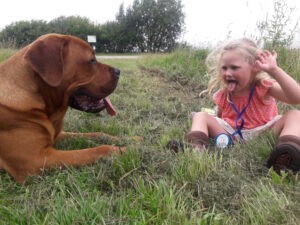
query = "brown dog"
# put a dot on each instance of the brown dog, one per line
(37, 85)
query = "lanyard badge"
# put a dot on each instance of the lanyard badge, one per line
(222, 140)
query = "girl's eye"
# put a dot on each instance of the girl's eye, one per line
(224, 68)
(234, 67)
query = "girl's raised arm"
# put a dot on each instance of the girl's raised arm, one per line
(287, 89)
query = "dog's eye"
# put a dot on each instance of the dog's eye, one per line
(93, 61)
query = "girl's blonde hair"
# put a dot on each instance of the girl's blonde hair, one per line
(246, 46)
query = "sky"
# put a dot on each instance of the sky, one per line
(207, 22)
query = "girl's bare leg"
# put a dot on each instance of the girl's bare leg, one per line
(203, 126)
(206, 123)
(286, 154)
(289, 124)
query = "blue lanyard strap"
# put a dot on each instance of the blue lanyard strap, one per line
(239, 121)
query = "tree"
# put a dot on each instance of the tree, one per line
(23, 32)
(274, 32)
(152, 25)
(110, 38)
(72, 25)
(147, 26)
(278, 34)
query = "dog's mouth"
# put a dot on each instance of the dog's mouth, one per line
(85, 102)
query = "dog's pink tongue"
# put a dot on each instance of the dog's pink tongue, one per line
(231, 86)
(109, 107)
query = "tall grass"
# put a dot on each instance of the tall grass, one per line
(6, 50)
(148, 184)
(289, 60)
(184, 65)
(5, 53)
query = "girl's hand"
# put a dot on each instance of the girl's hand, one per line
(266, 61)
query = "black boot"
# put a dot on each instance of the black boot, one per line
(286, 154)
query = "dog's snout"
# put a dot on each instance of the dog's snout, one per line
(116, 72)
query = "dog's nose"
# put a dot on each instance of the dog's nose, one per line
(117, 72)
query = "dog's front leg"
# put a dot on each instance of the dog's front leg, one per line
(64, 134)
(53, 158)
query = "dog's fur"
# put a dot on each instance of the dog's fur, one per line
(37, 85)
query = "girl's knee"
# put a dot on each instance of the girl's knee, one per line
(201, 122)
(205, 122)
(199, 115)
(294, 113)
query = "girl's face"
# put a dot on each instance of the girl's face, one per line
(236, 72)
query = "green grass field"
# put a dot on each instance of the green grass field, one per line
(149, 184)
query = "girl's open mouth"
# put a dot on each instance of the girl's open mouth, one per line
(231, 85)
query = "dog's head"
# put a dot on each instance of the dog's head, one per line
(69, 65)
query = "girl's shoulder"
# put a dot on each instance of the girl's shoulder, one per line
(267, 83)
(262, 90)
(219, 93)
(264, 85)
(220, 96)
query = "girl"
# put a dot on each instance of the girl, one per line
(250, 82)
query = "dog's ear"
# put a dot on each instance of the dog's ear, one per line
(46, 58)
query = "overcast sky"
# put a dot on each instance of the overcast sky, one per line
(206, 21)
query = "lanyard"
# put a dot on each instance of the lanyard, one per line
(239, 121)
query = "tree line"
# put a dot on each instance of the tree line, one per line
(146, 26)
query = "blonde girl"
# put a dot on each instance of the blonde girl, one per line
(248, 83)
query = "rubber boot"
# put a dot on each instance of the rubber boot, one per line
(286, 154)
(197, 139)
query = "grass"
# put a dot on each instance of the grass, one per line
(149, 184)
(6, 52)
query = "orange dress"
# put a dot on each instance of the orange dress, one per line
(262, 108)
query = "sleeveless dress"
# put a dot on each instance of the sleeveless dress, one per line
(261, 113)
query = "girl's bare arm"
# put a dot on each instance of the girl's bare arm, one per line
(286, 89)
